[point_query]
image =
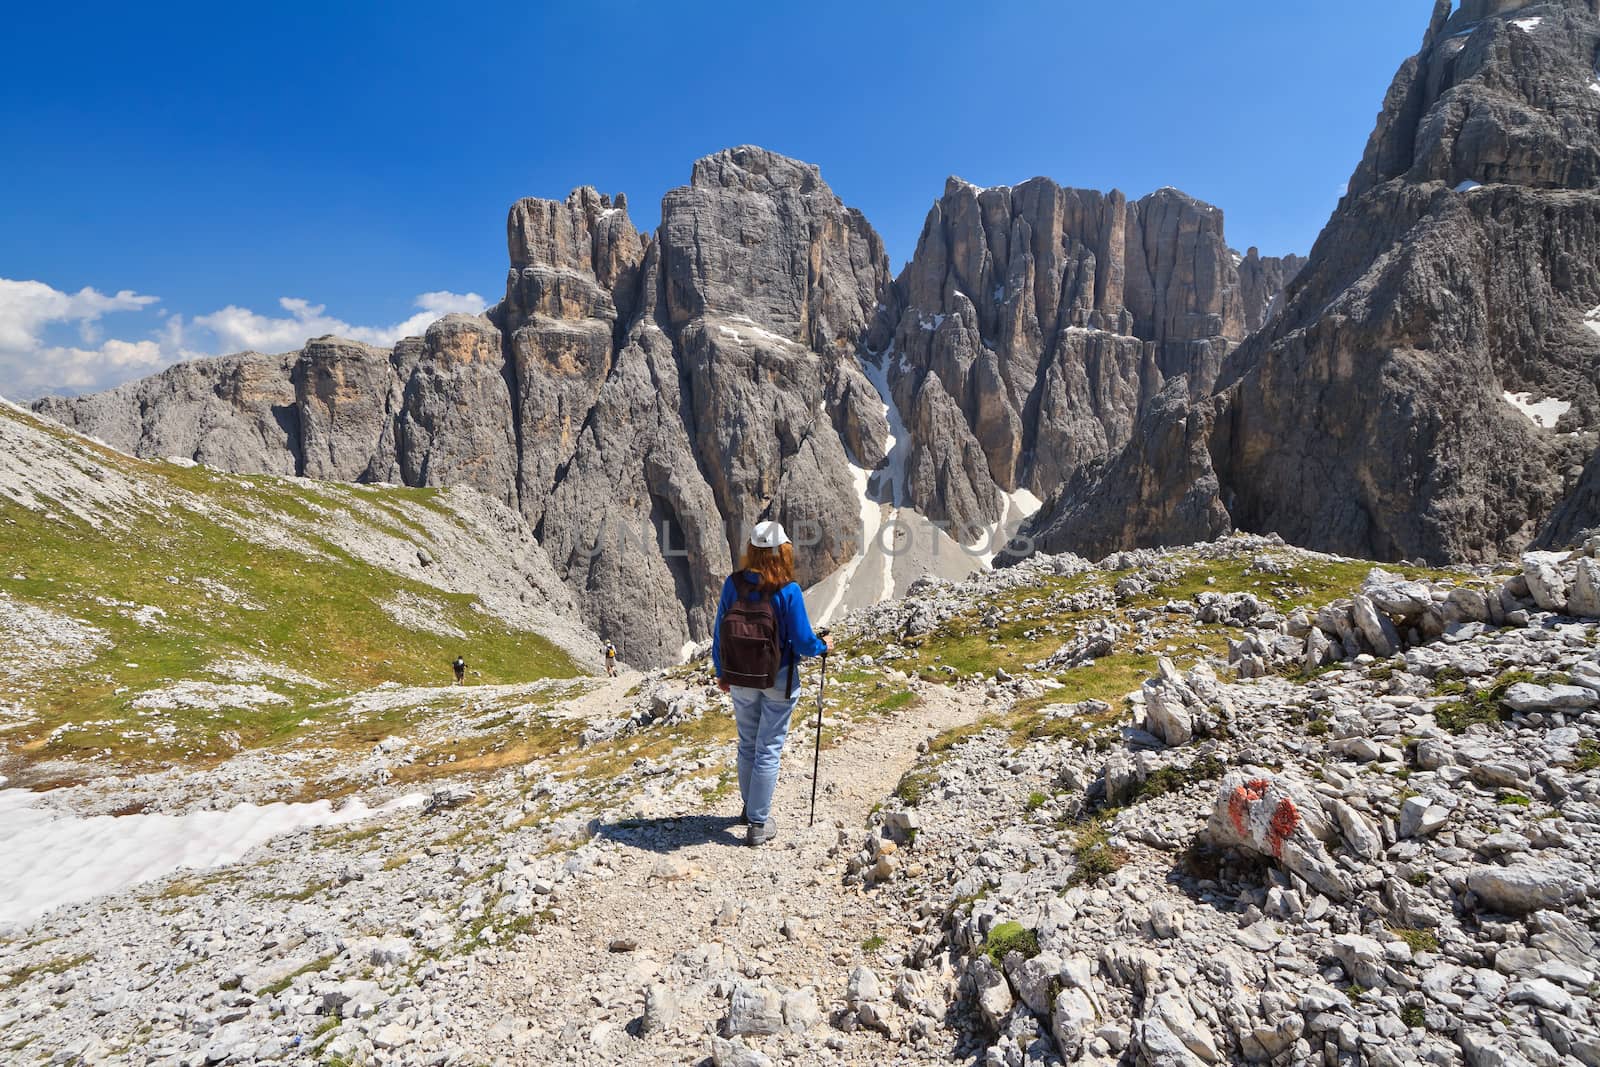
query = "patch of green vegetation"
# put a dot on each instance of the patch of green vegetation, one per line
(217, 595)
(1095, 857)
(1042, 718)
(915, 785)
(1418, 940)
(949, 739)
(316, 966)
(59, 965)
(873, 944)
(1420, 878)
(896, 701)
(1588, 757)
(327, 1026)
(1301, 582)
(304, 894)
(179, 888)
(1008, 937)
(1175, 779)
(1035, 802)
(1514, 800)
(1480, 707)
(1414, 1016)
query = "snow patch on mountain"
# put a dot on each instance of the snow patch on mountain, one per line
(53, 858)
(1545, 413)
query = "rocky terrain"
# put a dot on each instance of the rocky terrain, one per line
(1238, 802)
(160, 614)
(1428, 389)
(1235, 803)
(642, 399)
(1368, 842)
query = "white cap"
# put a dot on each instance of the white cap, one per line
(768, 535)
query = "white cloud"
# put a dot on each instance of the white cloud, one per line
(34, 361)
(240, 329)
(87, 368)
(26, 308)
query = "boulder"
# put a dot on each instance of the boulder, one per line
(1526, 696)
(1546, 584)
(725, 1053)
(1072, 1019)
(993, 992)
(1166, 710)
(1523, 888)
(1584, 600)
(1379, 632)
(1276, 817)
(755, 1009)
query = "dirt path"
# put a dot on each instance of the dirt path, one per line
(602, 700)
(699, 907)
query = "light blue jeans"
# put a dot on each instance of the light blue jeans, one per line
(763, 718)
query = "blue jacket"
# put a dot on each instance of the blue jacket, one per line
(799, 640)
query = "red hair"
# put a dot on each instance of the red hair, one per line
(774, 565)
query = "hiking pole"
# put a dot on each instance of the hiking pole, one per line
(816, 757)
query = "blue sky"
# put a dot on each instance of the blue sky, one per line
(177, 172)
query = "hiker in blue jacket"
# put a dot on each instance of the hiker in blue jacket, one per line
(762, 632)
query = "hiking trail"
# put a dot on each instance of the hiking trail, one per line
(689, 897)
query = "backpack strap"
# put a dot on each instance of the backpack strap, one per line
(784, 646)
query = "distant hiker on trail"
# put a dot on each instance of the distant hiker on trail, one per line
(461, 670)
(762, 632)
(611, 659)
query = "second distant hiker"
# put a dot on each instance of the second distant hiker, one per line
(761, 634)
(460, 666)
(611, 659)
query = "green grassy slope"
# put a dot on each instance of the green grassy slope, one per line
(221, 599)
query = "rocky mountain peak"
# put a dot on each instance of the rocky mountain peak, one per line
(588, 232)
(1500, 93)
(462, 339)
(757, 235)
(643, 400)
(1262, 281)
(1428, 389)
(755, 169)
(1035, 320)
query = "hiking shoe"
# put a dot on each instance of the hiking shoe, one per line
(761, 832)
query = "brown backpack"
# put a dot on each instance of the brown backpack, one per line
(751, 638)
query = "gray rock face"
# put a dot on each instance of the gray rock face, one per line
(644, 400)
(1034, 322)
(770, 282)
(1372, 415)
(456, 425)
(346, 394)
(237, 413)
(1160, 490)
(572, 264)
(1406, 435)
(1262, 282)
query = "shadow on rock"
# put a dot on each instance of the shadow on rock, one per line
(671, 833)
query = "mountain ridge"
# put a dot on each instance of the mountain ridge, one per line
(624, 382)
(1384, 412)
